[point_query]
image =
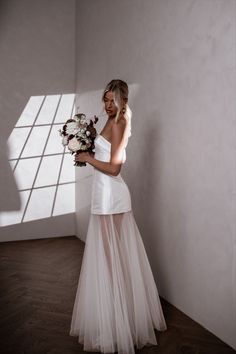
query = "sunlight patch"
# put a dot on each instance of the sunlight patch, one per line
(43, 170)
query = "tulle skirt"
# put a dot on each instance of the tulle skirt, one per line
(117, 305)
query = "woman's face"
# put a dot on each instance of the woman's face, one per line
(110, 106)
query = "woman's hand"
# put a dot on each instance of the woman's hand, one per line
(82, 157)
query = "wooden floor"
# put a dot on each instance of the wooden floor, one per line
(38, 281)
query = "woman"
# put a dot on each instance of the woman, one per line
(117, 304)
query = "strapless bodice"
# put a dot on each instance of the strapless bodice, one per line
(103, 149)
(110, 194)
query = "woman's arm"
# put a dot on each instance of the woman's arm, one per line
(112, 167)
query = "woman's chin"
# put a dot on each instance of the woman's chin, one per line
(111, 115)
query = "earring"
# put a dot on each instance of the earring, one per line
(123, 110)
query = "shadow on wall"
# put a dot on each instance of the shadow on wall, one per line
(43, 170)
(144, 177)
(150, 217)
(157, 172)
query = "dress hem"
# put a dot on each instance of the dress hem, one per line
(111, 212)
(115, 346)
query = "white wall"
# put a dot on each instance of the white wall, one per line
(181, 158)
(37, 46)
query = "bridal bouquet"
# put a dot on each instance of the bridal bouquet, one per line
(79, 135)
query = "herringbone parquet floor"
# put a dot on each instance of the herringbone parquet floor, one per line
(38, 281)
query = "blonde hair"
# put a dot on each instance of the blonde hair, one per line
(121, 92)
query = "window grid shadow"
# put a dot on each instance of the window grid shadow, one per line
(37, 156)
(31, 128)
(41, 159)
(59, 174)
(41, 156)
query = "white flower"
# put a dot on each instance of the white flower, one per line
(64, 140)
(88, 133)
(81, 136)
(71, 128)
(74, 144)
(83, 119)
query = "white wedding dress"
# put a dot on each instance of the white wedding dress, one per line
(117, 305)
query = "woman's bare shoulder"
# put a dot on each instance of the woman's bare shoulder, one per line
(120, 125)
(119, 129)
